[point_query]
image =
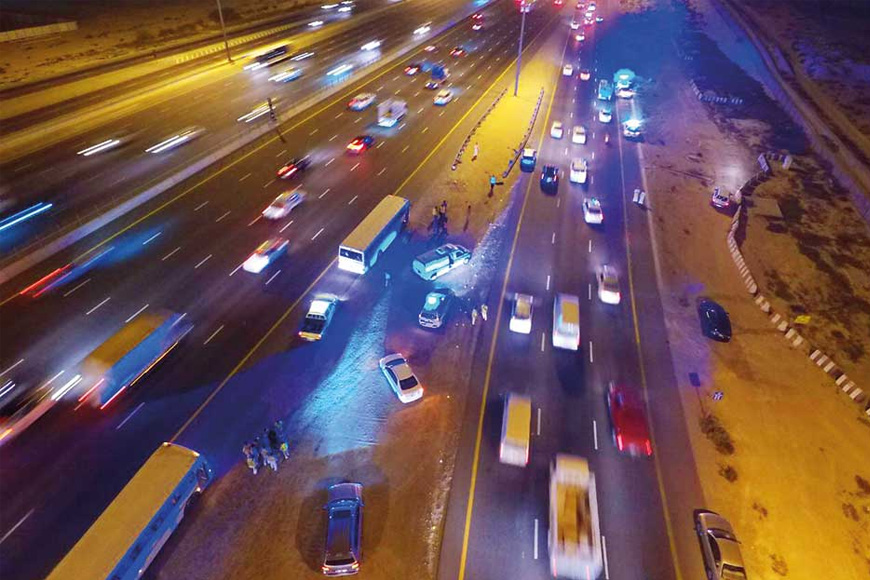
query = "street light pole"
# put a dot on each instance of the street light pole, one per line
(224, 31)
(523, 10)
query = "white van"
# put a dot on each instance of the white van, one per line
(515, 430)
(566, 321)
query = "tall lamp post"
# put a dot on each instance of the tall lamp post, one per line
(524, 8)
(224, 31)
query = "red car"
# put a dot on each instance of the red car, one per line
(293, 167)
(360, 144)
(412, 69)
(628, 421)
(457, 52)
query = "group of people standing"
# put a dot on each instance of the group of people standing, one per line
(439, 219)
(266, 449)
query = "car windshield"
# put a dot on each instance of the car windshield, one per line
(408, 383)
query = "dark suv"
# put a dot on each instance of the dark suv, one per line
(550, 179)
(343, 530)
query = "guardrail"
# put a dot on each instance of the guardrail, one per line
(525, 139)
(458, 159)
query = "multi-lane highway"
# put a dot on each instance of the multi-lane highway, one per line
(212, 97)
(183, 252)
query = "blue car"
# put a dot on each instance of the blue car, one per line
(528, 160)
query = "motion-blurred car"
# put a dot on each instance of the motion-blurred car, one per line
(361, 101)
(599, 19)
(284, 204)
(436, 306)
(431, 48)
(184, 136)
(20, 407)
(343, 550)
(628, 421)
(287, 75)
(294, 167)
(719, 547)
(443, 97)
(715, 323)
(432, 85)
(567, 70)
(556, 130)
(477, 26)
(580, 37)
(578, 135)
(608, 285)
(422, 29)
(579, 171)
(265, 254)
(550, 179)
(401, 378)
(360, 144)
(592, 213)
(585, 75)
(477, 16)
(412, 69)
(591, 7)
(605, 113)
(521, 314)
(457, 52)
(528, 160)
(720, 200)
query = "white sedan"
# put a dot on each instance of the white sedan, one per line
(265, 254)
(401, 378)
(361, 101)
(521, 314)
(283, 204)
(605, 114)
(592, 213)
(568, 70)
(579, 135)
(556, 131)
(575, 25)
(608, 285)
(443, 97)
(579, 171)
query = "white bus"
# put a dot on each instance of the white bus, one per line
(566, 321)
(127, 536)
(362, 248)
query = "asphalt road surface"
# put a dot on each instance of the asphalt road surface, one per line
(211, 98)
(182, 252)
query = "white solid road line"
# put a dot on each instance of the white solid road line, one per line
(320, 231)
(591, 359)
(213, 334)
(604, 550)
(15, 527)
(76, 288)
(130, 416)
(353, 199)
(548, 281)
(536, 539)
(94, 309)
(152, 238)
(539, 422)
(595, 434)
(543, 338)
(203, 261)
(138, 312)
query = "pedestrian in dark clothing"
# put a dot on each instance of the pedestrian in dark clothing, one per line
(444, 206)
(274, 440)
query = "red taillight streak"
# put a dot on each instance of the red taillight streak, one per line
(619, 442)
(91, 390)
(648, 447)
(45, 279)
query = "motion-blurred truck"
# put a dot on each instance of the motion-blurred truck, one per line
(131, 352)
(575, 538)
(391, 112)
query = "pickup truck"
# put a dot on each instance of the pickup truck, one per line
(318, 318)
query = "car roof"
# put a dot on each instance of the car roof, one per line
(630, 415)
(578, 163)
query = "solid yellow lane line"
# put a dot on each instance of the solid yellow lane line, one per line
(637, 341)
(293, 306)
(463, 558)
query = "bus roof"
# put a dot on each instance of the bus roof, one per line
(131, 334)
(103, 546)
(368, 229)
(519, 418)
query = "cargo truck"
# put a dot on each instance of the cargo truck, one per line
(130, 353)
(575, 538)
(391, 111)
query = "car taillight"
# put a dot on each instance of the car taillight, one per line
(619, 443)
(648, 447)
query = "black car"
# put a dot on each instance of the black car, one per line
(293, 167)
(715, 323)
(550, 179)
(343, 550)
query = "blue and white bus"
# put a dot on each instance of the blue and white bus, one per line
(362, 248)
(127, 536)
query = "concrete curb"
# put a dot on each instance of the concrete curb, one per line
(780, 322)
(458, 159)
(66, 239)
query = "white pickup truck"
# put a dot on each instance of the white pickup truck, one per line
(575, 536)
